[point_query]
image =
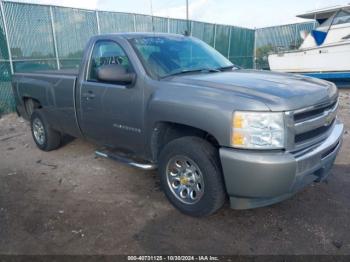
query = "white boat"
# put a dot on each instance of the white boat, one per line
(324, 51)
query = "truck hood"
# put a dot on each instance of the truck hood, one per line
(279, 91)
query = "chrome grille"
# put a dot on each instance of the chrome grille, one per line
(309, 126)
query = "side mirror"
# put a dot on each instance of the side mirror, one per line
(114, 73)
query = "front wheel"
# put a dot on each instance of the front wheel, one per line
(191, 177)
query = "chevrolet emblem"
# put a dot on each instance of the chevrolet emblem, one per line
(328, 120)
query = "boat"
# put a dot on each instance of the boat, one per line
(325, 51)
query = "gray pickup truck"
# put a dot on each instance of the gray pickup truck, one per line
(173, 103)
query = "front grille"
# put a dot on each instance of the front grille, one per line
(312, 133)
(313, 124)
(313, 112)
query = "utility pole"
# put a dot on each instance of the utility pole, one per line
(187, 19)
(187, 10)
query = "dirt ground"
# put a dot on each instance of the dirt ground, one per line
(70, 202)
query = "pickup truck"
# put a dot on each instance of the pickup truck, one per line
(172, 103)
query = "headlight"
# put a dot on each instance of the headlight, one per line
(257, 130)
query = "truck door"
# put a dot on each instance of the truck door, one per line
(111, 113)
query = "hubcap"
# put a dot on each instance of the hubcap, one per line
(38, 130)
(185, 179)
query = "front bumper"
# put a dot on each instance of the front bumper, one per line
(254, 179)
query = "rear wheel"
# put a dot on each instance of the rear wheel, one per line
(191, 178)
(44, 136)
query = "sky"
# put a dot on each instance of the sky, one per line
(248, 13)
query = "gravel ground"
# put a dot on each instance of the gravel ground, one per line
(70, 202)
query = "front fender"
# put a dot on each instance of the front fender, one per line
(199, 107)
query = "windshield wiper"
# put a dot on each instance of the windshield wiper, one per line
(212, 70)
(227, 67)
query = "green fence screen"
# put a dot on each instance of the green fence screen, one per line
(6, 96)
(112, 22)
(73, 28)
(204, 31)
(50, 37)
(242, 47)
(4, 55)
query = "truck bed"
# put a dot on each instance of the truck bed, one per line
(56, 91)
(66, 72)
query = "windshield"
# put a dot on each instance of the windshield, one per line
(163, 56)
(341, 17)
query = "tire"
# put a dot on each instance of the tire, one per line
(202, 174)
(44, 136)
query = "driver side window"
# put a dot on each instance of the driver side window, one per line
(106, 53)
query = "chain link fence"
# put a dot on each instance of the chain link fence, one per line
(39, 37)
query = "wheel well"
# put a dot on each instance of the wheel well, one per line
(164, 132)
(30, 104)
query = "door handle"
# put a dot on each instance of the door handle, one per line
(88, 95)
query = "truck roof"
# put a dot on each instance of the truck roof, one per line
(130, 35)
